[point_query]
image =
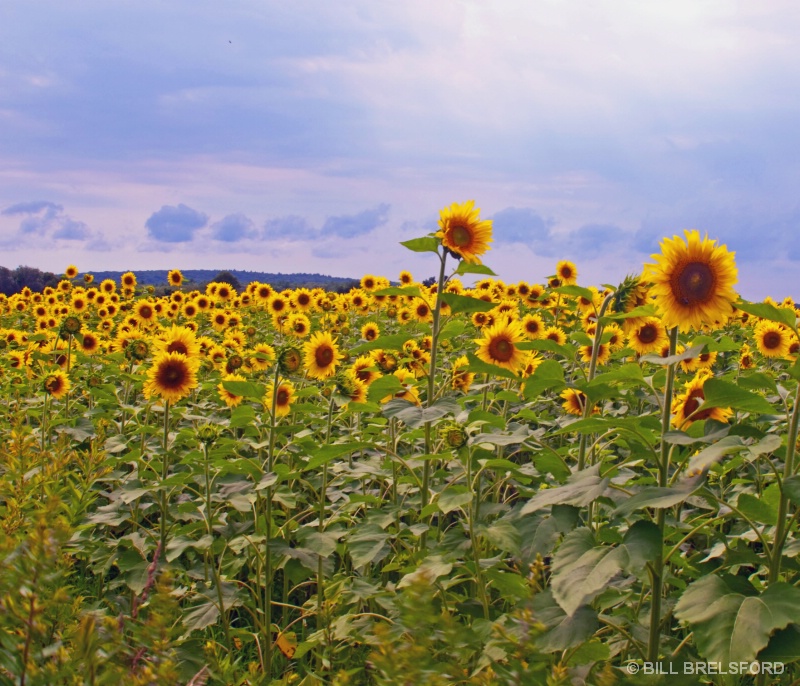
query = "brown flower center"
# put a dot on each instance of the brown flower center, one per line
(501, 349)
(145, 311)
(172, 374)
(178, 347)
(771, 340)
(282, 397)
(461, 236)
(323, 356)
(693, 283)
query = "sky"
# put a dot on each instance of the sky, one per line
(314, 136)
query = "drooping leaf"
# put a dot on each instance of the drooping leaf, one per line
(660, 497)
(581, 489)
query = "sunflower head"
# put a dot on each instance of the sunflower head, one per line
(172, 376)
(290, 359)
(463, 233)
(56, 384)
(321, 355)
(693, 282)
(499, 345)
(71, 272)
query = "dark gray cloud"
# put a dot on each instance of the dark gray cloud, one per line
(292, 227)
(233, 228)
(173, 224)
(352, 225)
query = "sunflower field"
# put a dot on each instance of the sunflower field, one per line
(472, 482)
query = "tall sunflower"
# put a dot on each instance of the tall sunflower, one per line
(693, 281)
(175, 278)
(172, 377)
(283, 396)
(499, 345)
(177, 339)
(463, 232)
(321, 355)
(566, 273)
(56, 384)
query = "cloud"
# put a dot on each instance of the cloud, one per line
(292, 227)
(520, 225)
(175, 224)
(233, 228)
(32, 207)
(591, 240)
(352, 225)
(44, 218)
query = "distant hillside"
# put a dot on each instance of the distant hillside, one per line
(158, 277)
(13, 281)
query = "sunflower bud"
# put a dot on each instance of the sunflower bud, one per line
(290, 359)
(453, 435)
(70, 326)
(137, 350)
(208, 433)
(234, 362)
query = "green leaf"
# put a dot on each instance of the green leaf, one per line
(708, 456)
(245, 389)
(764, 509)
(692, 352)
(323, 543)
(409, 291)
(548, 375)
(384, 386)
(591, 651)
(468, 268)
(464, 303)
(414, 416)
(782, 315)
(549, 346)
(641, 311)
(393, 342)
(731, 625)
(660, 497)
(577, 291)
(791, 487)
(581, 489)
(480, 367)
(720, 393)
(423, 244)
(758, 381)
(453, 497)
(431, 569)
(365, 544)
(563, 631)
(330, 452)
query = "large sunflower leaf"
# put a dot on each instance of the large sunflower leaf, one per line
(721, 393)
(423, 244)
(469, 268)
(563, 631)
(464, 303)
(581, 489)
(782, 315)
(733, 623)
(660, 497)
(548, 375)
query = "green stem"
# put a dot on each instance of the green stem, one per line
(268, 529)
(164, 473)
(783, 504)
(426, 467)
(657, 569)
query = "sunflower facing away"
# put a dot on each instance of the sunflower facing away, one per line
(172, 377)
(463, 232)
(498, 346)
(693, 281)
(321, 355)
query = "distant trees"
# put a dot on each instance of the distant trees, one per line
(14, 280)
(230, 279)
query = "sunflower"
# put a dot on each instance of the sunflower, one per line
(422, 311)
(406, 279)
(229, 398)
(370, 331)
(321, 355)
(263, 292)
(128, 280)
(89, 343)
(410, 390)
(498, 346)
(649, 337)
(693, 282)
(175, 278)
(603, 353)
(532, 325)
(746, 360)
(71, 272)
(555, 334)
(145, 312)
(302, 299)
(172, 377)
(614, 336)
(282, 396)
(772, 339)
(385, 361)
(575, 401)
(56, 384)
(365, 369)
(220, 320)
(463, 233)
(566, 273)
(462, 378)
(177, 339)
(350, 388)
(298, 325)
(685, 406)
(262, 356)
(531, 363)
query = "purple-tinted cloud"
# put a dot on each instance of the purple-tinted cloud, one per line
(233, 228)
(175, 224)
(352, 225)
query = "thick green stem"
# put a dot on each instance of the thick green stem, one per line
(783, 505)
(268, 529)
(164, 474)
(426, 467)
(657, 570)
